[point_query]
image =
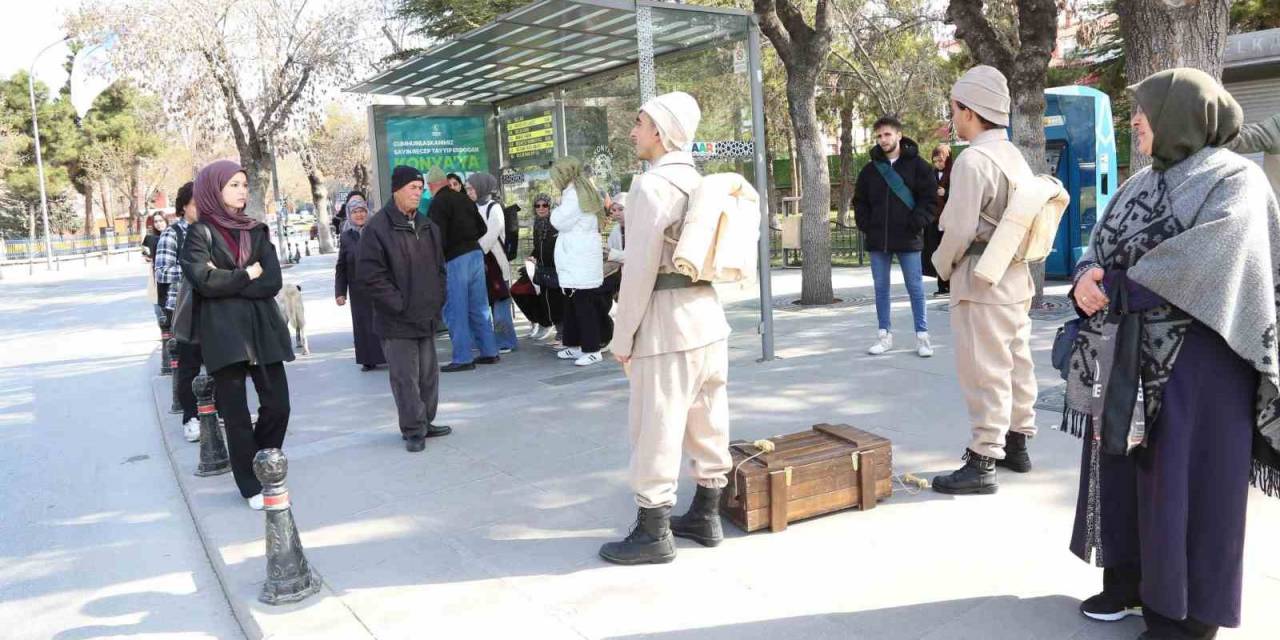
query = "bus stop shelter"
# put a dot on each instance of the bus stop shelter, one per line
(566, 77)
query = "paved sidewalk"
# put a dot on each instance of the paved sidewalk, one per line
(493, 531)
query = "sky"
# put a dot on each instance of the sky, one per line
(41, 25)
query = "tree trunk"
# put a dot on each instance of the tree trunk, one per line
(134, 212)
(1027, 121)
(361, 174)
(1158, 36)
(319, 197)
(253, 158)
(846, 161)
(815, 182)
(104, 197)
(88, 208)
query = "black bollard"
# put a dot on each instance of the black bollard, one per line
(213, 445)
(290, 578)
(176, 405)
(165, 368)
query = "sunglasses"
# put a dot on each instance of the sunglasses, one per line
(541, 206)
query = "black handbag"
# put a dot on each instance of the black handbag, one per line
(1062, 344)
(1118, 386)
(187, 305)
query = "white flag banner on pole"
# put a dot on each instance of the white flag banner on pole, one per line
(91, 74)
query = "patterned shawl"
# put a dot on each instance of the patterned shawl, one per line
(1205, 237)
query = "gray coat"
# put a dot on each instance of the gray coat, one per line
(1262, 137)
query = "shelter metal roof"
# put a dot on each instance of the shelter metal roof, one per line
(545, 44)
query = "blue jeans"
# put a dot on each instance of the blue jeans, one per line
(466, 308)
(504, 325)
(881, 263)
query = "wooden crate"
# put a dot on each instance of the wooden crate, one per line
(811, 473)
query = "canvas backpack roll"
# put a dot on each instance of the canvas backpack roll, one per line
(1026, 230)
(718, 240)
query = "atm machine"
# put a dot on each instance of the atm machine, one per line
(1080, 149)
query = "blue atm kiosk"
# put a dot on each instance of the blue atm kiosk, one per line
(1080, 149)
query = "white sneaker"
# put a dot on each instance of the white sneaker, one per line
(572, 353)
(589, 359)
(884, 342)
(191, 430)
(924, 348)
(255, 502)
(505, 350)
(535, 332)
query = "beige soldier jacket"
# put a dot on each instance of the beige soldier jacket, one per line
(1262, 137)
(649, 322)
(979, 186)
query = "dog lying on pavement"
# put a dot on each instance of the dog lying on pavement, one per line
(290, 301)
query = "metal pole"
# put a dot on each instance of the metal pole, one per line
(35, 130)
(756, 79)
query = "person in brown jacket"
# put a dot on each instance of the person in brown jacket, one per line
(671, 337)
(990, 323)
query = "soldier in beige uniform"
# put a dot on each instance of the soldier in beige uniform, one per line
(670, 334)
(990, 324)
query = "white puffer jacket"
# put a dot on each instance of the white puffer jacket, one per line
(579, 256)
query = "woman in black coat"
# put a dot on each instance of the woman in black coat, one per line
(942, 162)
(232, 265)
(368, 343)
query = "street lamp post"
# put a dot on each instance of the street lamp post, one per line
(35, 131)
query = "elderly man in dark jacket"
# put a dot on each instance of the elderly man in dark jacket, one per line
(893, 202)
(401, 267)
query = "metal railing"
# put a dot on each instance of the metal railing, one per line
(63, 246)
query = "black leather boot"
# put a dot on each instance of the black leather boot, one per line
(702, 522)
(977, 476)
(650, 541)
(1016, 457)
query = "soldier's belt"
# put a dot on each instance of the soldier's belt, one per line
(677, 281)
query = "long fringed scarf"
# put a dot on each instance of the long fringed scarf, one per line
(1205, 237)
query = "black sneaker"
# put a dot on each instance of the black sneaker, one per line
(1108, 607)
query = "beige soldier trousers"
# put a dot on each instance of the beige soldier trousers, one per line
(679, 403)
(997, 375)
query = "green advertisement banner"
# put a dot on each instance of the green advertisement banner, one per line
(455, 144)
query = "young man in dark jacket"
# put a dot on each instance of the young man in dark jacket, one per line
(466, 312)
(893, 201)
(401, 267)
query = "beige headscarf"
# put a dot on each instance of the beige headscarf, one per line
(677, 116)
(986, 91)
(568, 170)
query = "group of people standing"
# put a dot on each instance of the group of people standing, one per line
(1176, 298)
(1188, 251)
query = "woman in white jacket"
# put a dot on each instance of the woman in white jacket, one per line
(483, 189)
(580, 264)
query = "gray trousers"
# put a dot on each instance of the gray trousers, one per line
(415, 381)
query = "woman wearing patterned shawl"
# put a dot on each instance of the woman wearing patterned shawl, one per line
(1193, 243)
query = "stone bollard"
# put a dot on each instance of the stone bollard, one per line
(290, 578)
(176, 405)
(165, 335)
(213, 445)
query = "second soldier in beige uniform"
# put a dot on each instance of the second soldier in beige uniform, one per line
(671, 335)
(990, 324)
